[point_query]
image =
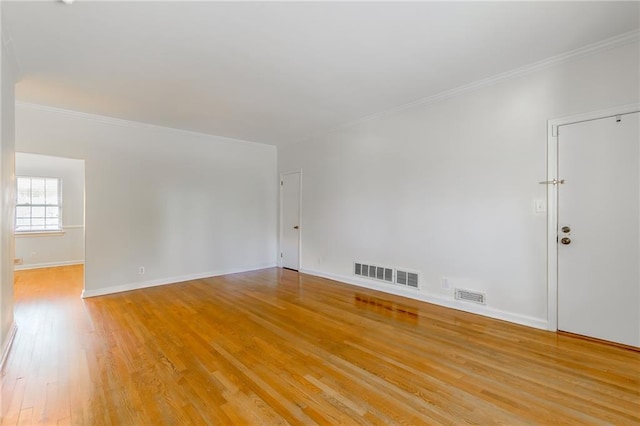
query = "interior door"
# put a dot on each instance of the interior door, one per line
(599, 229)
(290, 214)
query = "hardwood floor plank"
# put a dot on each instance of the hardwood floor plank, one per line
(277, 347)
(25, 417)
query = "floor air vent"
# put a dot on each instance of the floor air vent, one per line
(471, 296)
(372, 271)
(410, 279)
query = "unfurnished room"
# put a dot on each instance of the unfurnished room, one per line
(319, 212)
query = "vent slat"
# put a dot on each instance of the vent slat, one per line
(389, 275)
(471, 296)
(401, 277)
(412, 280)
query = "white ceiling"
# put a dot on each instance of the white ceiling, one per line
(278, 72)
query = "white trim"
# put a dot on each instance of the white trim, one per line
(33, 234)
(6, 345)
(610, 43)
(436, 299)
(282, 175)
(131, 124)
(72, 226)
(51, 233)
(25, 267)
(171, 280)
(552, 199)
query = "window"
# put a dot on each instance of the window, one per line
(38, 207)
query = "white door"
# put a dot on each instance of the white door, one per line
(290, 220)
(599, 229)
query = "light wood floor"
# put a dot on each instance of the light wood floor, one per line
(275, 347)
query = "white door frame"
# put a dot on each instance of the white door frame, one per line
(552, 199)
(282, 175)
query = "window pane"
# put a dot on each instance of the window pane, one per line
(23, 212)
(24, 191)
(53, 212)
(52, 224)
(23, 224)
(38, 202)
(37, 211)
(51, 191)
(37, 191)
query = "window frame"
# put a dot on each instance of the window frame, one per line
(34, 232)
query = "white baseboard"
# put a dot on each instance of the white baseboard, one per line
(171, 280)
(436, 299)
(24, 267)
(6, 345)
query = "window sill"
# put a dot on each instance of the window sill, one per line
(30, 234)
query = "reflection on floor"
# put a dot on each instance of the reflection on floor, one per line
(274, 346)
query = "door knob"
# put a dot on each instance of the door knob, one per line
(566, 229)
(296, 227)
(566, 241)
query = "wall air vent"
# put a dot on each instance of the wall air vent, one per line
(401, 277)
(409, 279)
(386, 274)
(372, 271)
(412, 280)
(471, 296)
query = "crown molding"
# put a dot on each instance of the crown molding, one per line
(606, 44)
(131, 124)
(610, 43)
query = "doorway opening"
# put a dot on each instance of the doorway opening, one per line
(50, 225)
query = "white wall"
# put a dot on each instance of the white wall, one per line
(67, 248)
(7, 188)
(448, 188)
(181, 204)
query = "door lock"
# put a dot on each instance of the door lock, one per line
(566, 229)
(566, 241)
(296, 227)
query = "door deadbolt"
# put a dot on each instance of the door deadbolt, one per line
(296, 227)
(566, 229)
(566, 241)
